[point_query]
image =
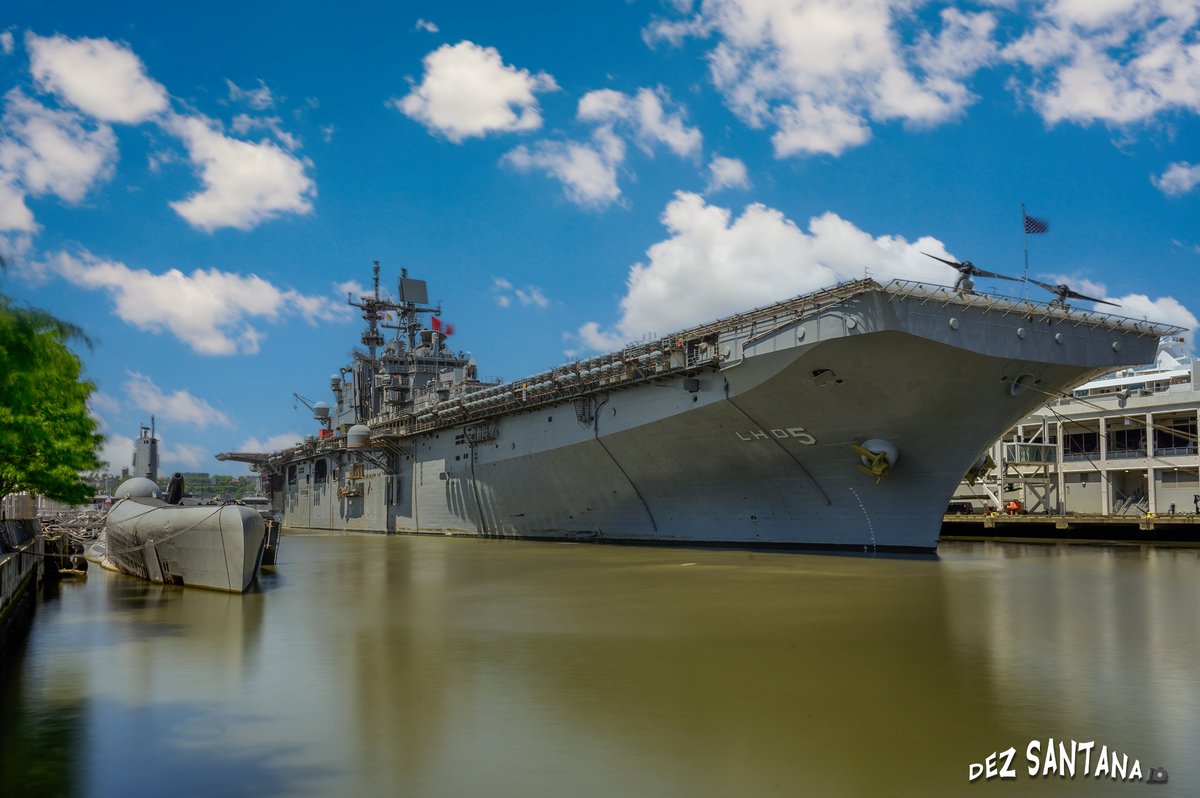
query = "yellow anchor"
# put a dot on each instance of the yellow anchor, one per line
(877, 463)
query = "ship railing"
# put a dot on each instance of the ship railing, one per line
(534, 392)
(1005, 305)
(693, 348)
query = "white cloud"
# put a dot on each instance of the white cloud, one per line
(98, 76)
(244, 123)
(726, 173)
(259, 99)
(209, 310)
(1178, 179)
(1113, 61)
(712, 265)
(179, 405)
(14, 213)
(821, 71)
(425, 25)
(245, 184)
(587, 170)
(505, 294)
(45, 151)
(6, 42)
(180, 456)
(469, 91)
(117, 451)
(1164, 310)
(284, 440)
(643, 112)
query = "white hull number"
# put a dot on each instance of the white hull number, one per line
(798, 434)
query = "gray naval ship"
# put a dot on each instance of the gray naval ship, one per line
(841, 419)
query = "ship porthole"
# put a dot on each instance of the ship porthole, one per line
(953, 324)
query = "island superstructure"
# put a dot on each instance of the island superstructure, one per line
(842, 418)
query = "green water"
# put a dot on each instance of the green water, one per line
(377, 666)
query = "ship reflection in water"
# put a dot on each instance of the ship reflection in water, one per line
(375, 665)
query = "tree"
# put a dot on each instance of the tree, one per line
(47, 436)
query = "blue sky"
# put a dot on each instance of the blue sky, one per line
(198, 185)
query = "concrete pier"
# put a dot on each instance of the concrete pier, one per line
(1178, 528)
(21, 549)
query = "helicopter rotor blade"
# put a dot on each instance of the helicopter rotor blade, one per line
(955, 264)
(983, 273)
(1086, 298)
(1047, 286)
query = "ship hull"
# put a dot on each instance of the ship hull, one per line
(756, 450)
(219, 548)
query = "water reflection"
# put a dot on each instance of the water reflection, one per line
(449, 667)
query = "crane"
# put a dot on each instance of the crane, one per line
(320, 410)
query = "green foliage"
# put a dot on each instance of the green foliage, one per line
(47, 437)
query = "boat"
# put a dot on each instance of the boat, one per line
(839, 419)
(164, 541)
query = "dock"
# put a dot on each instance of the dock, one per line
(20, 574)
(1179, 528)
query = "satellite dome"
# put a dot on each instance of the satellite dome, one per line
(138, 488)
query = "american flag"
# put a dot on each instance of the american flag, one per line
(1033, 225)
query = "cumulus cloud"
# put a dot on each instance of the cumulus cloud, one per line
(1164, 310)
(644, 113)
(179, 406)
(6, 42)
(209, 310)
(426, 25)
(99, 77)
(821, 72)
(726, 173)
(468, 91)
(713, 264)
(46, 151)
(180, 456)
(245, 183)
(117, 451)
(1113, 61)
(587, 169)
(1178, 179)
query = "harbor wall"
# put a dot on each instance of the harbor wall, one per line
(20, 573)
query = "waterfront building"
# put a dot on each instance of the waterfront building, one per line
(1124, 444)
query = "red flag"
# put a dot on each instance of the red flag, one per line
(442, 327)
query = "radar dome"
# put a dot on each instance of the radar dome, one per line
(358, 436)
(138, 488)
